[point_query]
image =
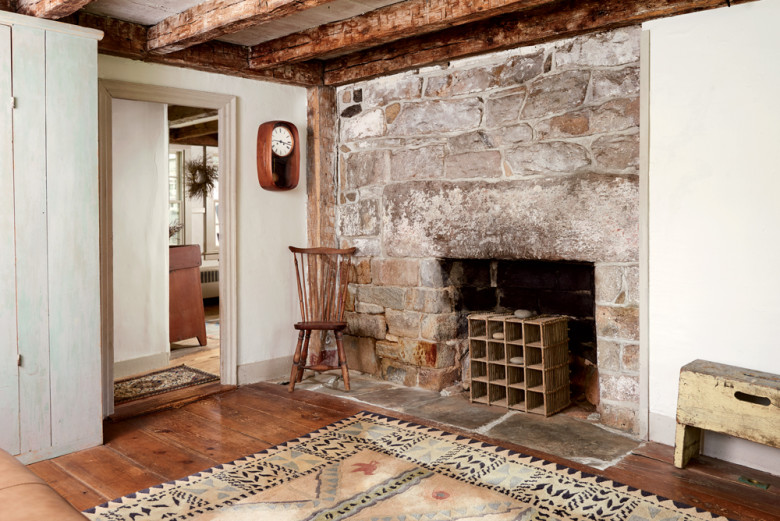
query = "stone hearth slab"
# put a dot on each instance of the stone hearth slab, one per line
(457, 411)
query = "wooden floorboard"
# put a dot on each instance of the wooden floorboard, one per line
(146, 450)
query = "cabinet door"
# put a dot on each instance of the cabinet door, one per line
(32, 236)
(9, 378)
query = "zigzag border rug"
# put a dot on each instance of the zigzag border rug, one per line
(371, 467)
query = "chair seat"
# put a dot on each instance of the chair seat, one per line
(320, 326)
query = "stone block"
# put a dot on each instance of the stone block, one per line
(438, 379)
(366, 247)
(470, 142)
(630, 358)
(371, 309)
(609, 284)
(361, 271)
(395, 272)
(571, 124)
(615, 115)
(605, 49)
(609, 355)
(346, 96)
(464, 81)
(429, 300)
(619, 153)
(418, 353)
(431, 275)
(389, 350)
(511, 135)
(384, 90)
(348, 197)
(481, 219)
(361, 169)
(420, 163)
(431, 116)
(611, 83)
(631, 281)
(403, 323)
(362, 218)
(520, 69)
(554, 157)
(391, 112)
(621, 418)
(617, 322)
(351, 111)
(385, 296)
(394, 371)
(361, 354)
(362, 324)
(473, 164)
(619, 387)
(358, 95)
(437, 327)
(504, 110)
(370, 123)
(556, 93)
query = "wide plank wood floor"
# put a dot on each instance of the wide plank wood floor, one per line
(143, 451)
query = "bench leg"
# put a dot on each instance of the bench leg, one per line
(687, 444)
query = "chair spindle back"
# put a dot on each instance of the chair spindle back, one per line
(323, 278)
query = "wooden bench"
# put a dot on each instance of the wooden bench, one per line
(727, 399)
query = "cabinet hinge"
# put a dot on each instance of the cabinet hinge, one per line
(19, 360)
(13, 102)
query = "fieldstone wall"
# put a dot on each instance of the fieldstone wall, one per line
(526, 154)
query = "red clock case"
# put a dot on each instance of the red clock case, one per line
(277, 173)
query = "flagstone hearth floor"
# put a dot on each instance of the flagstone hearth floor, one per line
(568, 434)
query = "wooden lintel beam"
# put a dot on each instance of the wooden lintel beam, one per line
(384, 25)
(552, 21)
(213, 18)
(52, 9)
(7, 5)
(197, 130)
(128, 40)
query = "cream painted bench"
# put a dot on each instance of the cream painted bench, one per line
(727, 399)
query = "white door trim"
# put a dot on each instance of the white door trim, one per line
(226, 105)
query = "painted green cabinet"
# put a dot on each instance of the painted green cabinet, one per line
(50, 395)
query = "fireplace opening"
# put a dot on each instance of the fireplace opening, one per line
(543, 287)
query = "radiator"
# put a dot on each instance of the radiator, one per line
(209, 281)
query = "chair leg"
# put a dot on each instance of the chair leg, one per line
(342, 359)
(304, 355)
(296, 363)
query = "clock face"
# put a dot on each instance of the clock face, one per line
(281, 141)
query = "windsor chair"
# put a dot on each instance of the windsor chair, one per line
(323, 276)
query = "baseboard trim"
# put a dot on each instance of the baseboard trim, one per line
(265, 370)
(142, 364)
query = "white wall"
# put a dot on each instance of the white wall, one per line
(140, 226)
(714, 180)
(267, 222)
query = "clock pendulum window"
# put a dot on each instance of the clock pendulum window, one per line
(278, 155)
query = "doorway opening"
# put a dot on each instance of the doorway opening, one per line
(198, 128)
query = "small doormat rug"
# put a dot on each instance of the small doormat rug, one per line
(159, 382)
(373, 467)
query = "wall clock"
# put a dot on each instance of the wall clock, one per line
(278, 155)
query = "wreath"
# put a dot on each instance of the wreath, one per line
(200, 178)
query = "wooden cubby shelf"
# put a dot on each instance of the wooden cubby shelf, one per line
(520, 364)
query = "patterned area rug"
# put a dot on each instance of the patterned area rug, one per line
(158, 382)
(373, 467)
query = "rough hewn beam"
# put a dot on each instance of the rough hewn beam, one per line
(388, 24)
(193, 131)
(552, 21)
(213, 18)
(128, 40)
(53, 9)
(7, 5)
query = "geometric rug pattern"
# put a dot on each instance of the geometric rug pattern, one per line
(371, 467)
(159, 382)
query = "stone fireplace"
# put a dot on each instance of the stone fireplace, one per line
(451, 177)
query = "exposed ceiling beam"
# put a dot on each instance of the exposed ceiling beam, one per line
(201, 129)
(128, 40)
(214, 18)
(561, 19)
(52, 9)
(387, 24)
(210, 140)
(7, 5)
